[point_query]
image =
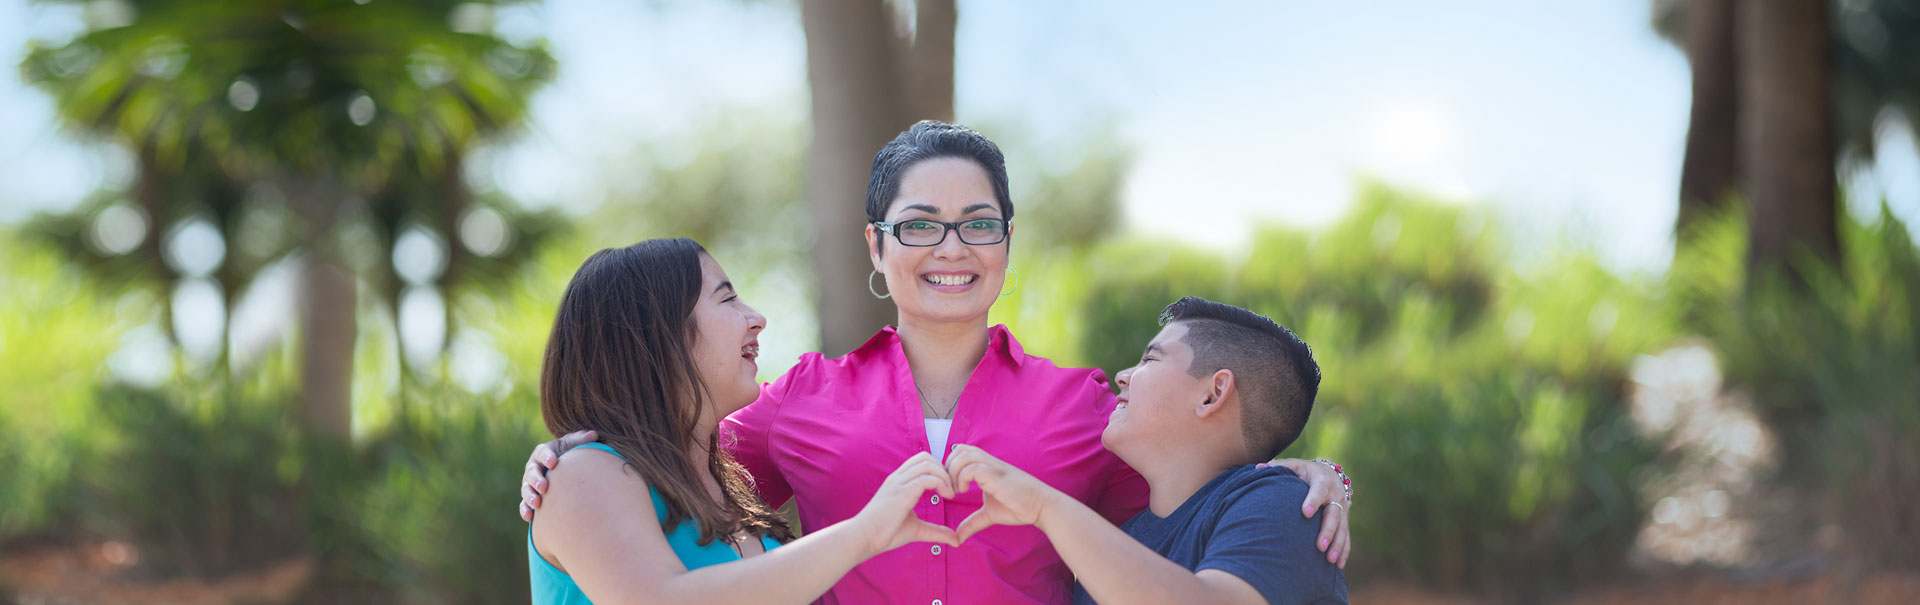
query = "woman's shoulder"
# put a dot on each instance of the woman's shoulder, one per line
(595, 471)
(595, 462)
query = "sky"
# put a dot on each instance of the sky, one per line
(1565, 119)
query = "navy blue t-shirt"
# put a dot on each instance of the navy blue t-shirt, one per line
(1245, 522)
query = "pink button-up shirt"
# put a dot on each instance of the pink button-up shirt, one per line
(829, 431)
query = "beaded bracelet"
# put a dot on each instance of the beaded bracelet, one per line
(1345, 481)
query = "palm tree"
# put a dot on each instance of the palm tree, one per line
(869, 79)
(356, 112)
(1787, 129)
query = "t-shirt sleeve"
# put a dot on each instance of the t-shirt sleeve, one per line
(747, 434)
(1262, 539)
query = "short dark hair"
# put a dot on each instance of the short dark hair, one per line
(929, 139)
(1272, 368)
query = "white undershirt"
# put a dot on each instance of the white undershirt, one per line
(937, 430)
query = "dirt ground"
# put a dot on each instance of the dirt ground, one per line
(103, 572)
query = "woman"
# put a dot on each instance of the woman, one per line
(938, 208)
(650, 349)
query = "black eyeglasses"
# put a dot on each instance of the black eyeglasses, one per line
(923, 233)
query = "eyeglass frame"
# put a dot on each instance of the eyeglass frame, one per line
(1006, 227)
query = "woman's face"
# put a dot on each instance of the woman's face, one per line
(952, 280)
(727, 341)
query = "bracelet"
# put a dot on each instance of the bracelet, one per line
(1345, 481)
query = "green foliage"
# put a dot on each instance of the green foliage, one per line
(1833, 365)
(55, 334)
(1481, 407)
(427, 515)
(207, 486)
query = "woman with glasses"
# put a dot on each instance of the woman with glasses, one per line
(823, 434)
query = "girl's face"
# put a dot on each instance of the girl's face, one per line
(952, 280)
(727, 340)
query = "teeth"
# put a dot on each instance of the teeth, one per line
(948, 280)
(750, 351)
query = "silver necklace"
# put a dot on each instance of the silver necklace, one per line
(929, 405)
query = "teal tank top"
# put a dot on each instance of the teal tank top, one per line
(554, 587)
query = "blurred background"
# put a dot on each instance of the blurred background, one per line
(1615, 302)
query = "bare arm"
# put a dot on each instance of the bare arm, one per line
(1112, 566)
(608, 540)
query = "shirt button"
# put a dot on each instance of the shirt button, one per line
(936, 549)
(936, 498)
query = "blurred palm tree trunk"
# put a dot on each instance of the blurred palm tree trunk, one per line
(924, 58)
(1786, 129)
(328, 293)
(1709, 173)
(857, 107)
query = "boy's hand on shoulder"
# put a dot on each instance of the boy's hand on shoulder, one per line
(1010, 496)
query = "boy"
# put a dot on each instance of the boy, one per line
(1217, 391)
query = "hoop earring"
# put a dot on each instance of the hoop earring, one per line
(1016, 282)
(876, 291)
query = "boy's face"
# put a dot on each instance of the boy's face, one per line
(1158, 398)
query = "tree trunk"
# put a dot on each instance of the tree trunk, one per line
(1787, 133)
(857, 107)
(923, 59)
(327, 328)
(1709, 173)
(328, 306)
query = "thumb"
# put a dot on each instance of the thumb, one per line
(974, 524)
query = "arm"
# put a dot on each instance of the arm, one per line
(607, 538)
(1112, 566)
(744, 434)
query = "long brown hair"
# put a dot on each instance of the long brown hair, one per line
(620, 362)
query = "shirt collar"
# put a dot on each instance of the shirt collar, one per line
(999, 340)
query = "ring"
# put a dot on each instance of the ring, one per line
(1342, 506)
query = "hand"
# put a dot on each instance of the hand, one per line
(1324, 488)
(1010, 496)
(889, 517)
(546, 456)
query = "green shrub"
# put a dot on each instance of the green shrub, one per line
(55, 335)
(1481, 409)
(204, 485)
(428, 514)
(1834, 368)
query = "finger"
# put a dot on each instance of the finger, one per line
(1318, 493)
(534, 502)
(959, 457)
(534, 476)
(1339, 546)
(930, 482)
(575, 439)
(1329, 528)
(977, 473)
(544, 454)
(1345, 551)
(974, 524)
(527, 493)
(931, 468)
(526, 514)
(914, 463)
(929, 532)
